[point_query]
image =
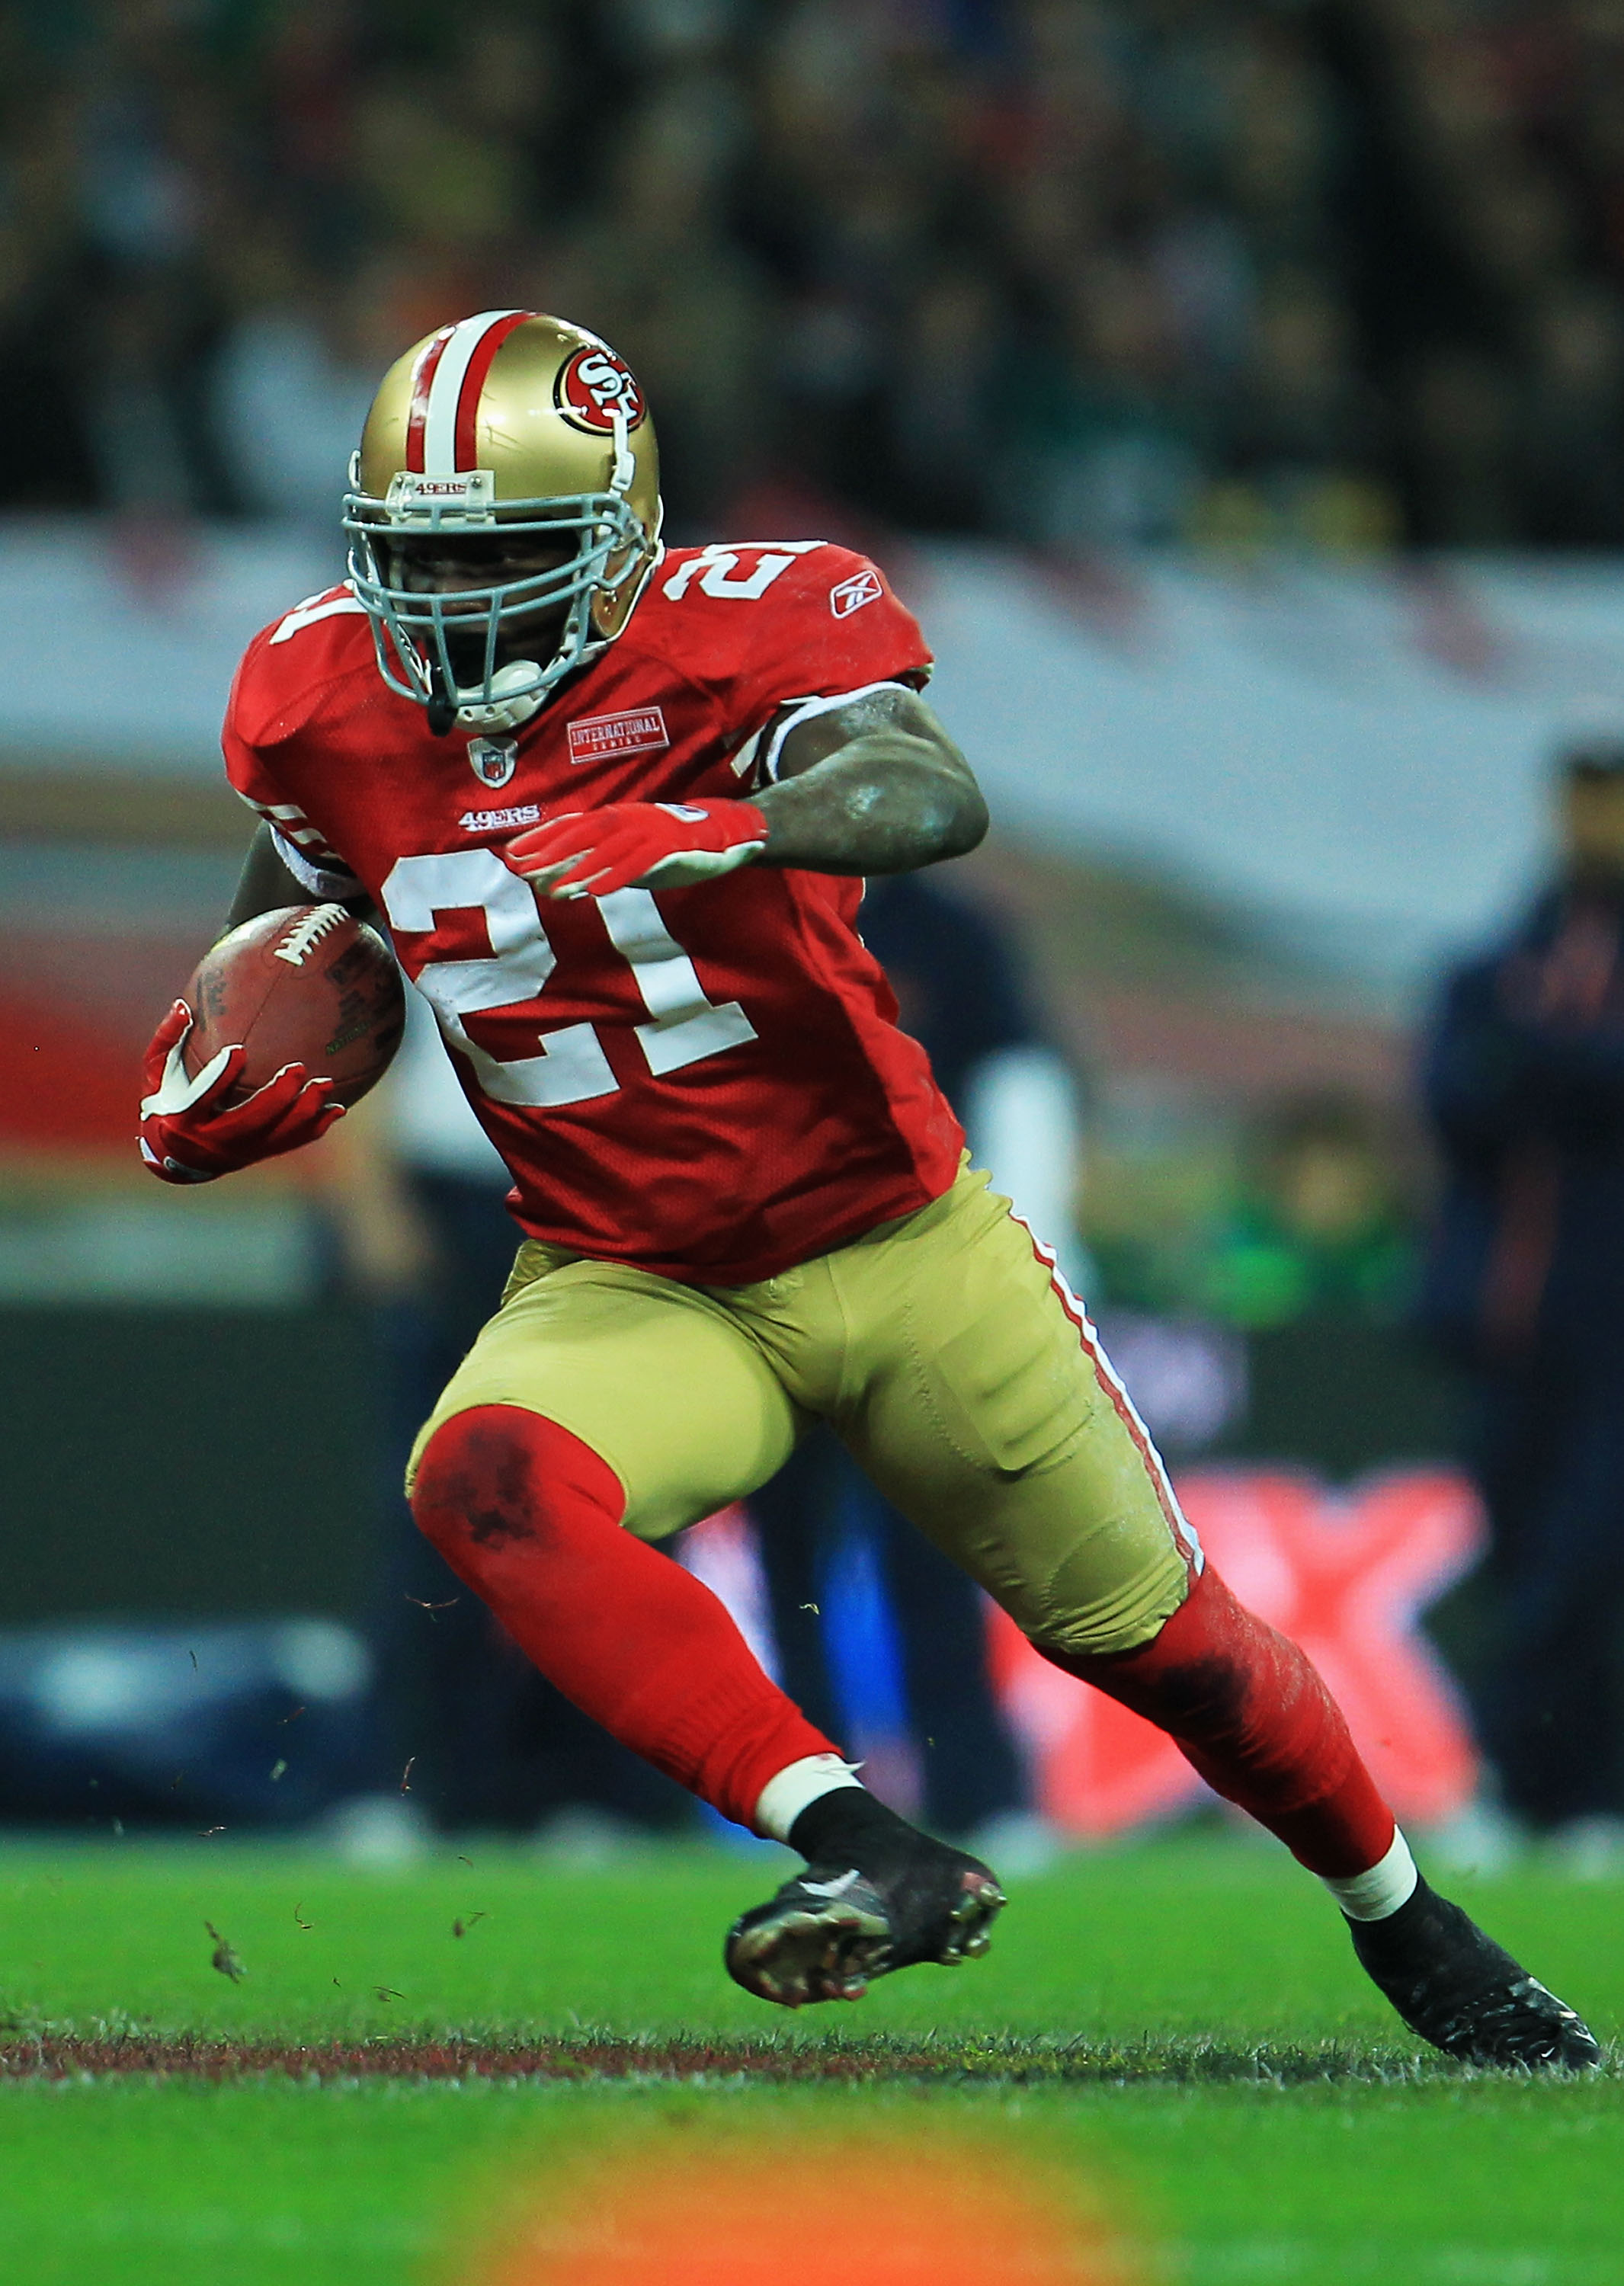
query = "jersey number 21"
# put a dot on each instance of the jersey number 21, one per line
(570, 1068)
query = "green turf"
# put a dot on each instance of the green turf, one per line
(1184, 2021)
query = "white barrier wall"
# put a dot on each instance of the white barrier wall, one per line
(1360, 752)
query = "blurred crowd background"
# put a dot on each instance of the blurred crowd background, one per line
(1237, 393)
(1346, 271)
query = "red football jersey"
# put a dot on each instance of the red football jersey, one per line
(708, 1082)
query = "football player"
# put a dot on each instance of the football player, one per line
(615, 803)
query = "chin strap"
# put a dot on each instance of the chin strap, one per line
(450, 709)
(500, 712)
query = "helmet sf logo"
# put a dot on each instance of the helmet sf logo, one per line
(593, 387)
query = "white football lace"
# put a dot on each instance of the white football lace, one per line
(303, 936)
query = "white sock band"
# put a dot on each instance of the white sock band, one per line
(1371, 1897)
(797, 1787)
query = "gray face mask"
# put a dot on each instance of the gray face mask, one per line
(426, 643)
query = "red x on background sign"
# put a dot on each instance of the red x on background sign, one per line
(1347, 1573)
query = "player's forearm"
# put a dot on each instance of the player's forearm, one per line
(264, 883)
(887, 802)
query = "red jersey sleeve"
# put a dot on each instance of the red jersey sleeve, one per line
(824, 623)
(249, 769)
(270, 699)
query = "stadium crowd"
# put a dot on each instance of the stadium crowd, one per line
(1077, 271)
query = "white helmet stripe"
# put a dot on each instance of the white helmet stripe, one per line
(445, 389)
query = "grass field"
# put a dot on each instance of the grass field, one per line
(1182, 2023)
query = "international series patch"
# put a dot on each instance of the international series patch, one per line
(599, 737)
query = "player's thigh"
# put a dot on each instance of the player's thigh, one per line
(990, 1418)
(653, 1376)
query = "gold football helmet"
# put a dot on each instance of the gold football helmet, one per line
(510, 425)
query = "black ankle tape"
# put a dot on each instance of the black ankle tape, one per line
(847, 1822)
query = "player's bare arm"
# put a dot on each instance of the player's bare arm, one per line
(265, 884)
(873, 787)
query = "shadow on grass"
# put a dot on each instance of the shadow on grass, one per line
(49, 2053)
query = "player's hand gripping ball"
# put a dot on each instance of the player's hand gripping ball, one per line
(638, 845)
(196, 1127)
(287, 1021)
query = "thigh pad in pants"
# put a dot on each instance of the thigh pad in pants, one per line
(986, 1412)
(654, 1377)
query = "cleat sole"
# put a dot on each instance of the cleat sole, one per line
(803, 1955)
(809, 1944)
(972, 1920)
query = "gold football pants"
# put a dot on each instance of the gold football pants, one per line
(941, 1350)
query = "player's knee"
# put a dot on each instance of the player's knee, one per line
(496, 1475)
(1085, 1618)
(1214, 1672)
(473, 1482)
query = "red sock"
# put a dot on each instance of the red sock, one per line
(530, 1518)
(1242, 1703)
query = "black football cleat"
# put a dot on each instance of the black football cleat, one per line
(832, 1930)
(1465, 1994)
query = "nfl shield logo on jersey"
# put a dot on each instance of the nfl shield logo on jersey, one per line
(493, 761)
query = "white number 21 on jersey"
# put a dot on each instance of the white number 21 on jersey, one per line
(570, 1068)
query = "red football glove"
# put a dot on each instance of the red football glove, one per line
(190, 1134)
(643, 845)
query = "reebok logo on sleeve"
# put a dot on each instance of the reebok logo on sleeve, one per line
(863, 588)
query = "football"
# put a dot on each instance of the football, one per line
(306, 984)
